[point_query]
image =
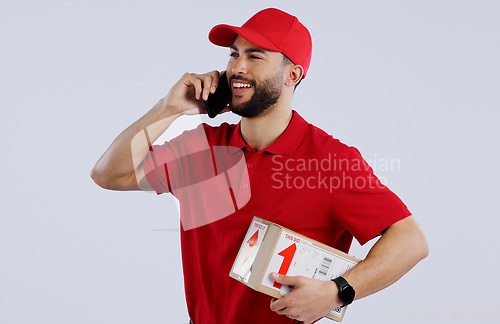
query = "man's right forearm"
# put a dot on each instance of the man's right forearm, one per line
(122, 161)
(117, 166)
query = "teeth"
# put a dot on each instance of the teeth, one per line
(241, 85)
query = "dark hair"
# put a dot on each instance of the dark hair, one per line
(286, 61)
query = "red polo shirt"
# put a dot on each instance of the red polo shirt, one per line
(306, 181)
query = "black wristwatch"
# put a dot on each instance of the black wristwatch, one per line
(346, 292)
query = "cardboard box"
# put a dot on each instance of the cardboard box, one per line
(269, 247)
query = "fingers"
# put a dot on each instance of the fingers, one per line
(279, 305)
(207, 86)
(283, 306)
(307, 302)
(203, 84)
(287, 305)
(286, 280)
(291, 310)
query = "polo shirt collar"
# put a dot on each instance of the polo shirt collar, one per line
(286, 144)
(236, 143)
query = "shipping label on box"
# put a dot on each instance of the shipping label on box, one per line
(269, 247)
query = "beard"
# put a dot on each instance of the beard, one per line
(264, 97)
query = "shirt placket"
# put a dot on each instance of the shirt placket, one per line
(251, 158)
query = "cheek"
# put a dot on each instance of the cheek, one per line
(275, 69)
(229, 67)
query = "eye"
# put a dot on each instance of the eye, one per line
(233, 54)
(255, 57)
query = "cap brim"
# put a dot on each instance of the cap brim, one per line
(225, 35)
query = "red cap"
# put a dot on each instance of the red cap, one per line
(271, 29)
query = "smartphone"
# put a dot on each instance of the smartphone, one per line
(219, 100)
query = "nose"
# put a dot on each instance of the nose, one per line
(239, 66)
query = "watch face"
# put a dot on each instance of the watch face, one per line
(347, 295)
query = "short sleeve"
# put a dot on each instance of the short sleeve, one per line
(360, 201)
(155, 170)
(170, 166)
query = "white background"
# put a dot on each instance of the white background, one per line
(411, 81)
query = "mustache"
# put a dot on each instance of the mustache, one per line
(239, 77)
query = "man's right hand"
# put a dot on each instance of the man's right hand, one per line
(187, 95)
(121, 167)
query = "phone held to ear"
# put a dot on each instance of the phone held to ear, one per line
(219, 100)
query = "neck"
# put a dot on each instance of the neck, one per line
(261, 131)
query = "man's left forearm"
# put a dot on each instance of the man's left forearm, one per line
(400, 248)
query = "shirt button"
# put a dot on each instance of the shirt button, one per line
(245, 186)
(250, 166)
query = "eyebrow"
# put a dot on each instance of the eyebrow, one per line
(249, 50)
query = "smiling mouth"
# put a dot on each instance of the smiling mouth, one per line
(239, 87)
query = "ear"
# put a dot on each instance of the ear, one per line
(294, 75)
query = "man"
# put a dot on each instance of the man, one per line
(283, 160)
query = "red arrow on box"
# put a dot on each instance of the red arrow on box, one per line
(251, 242)
(254, 239)
(287, 255)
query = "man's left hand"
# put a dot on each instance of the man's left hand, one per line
(310, 299)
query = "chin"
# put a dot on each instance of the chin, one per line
(249, 113)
